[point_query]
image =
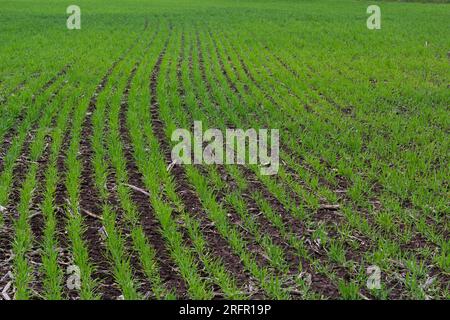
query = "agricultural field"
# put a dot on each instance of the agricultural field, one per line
(92, 205)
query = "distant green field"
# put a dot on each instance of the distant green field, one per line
(93, 207)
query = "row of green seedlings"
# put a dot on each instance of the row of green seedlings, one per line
(23, 236)
(386, 219)
(158, 181)
(417, 266)
(33, 113)
(51, 271)
(50, 268)
(212, 265)
(233, 199)
(383, 146)
(287, 203)
(14, 88)
(114, 241)
(232, 114)
(14, 106)
(334, 247)
(19, 78)
(11, 162)
(74, 223)
(118, 258)
(268, 281)
(131, 215)
(274, 253)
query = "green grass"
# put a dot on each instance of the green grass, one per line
(363, 179)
